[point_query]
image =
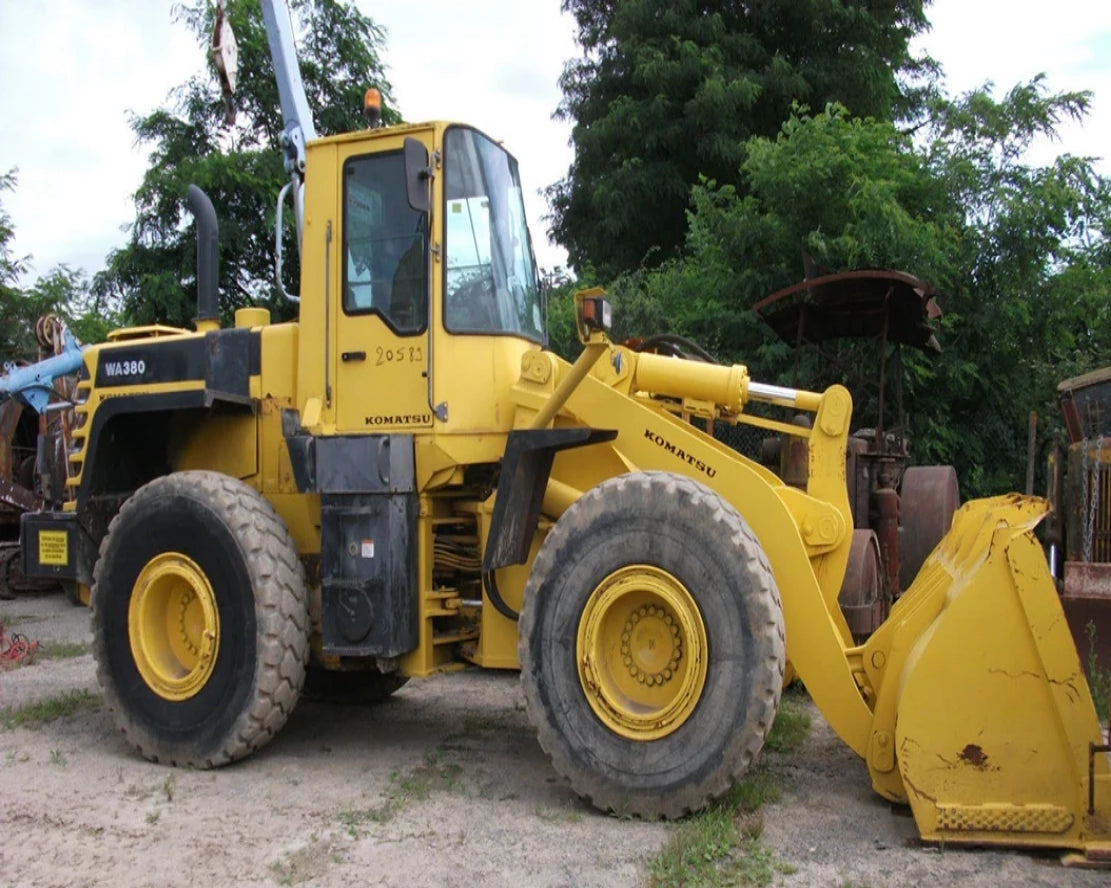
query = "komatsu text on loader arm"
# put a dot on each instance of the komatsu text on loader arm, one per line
(405, 479)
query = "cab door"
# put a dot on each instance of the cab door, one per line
(382, 316)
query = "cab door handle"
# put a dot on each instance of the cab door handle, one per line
(354, 356)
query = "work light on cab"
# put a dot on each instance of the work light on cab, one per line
(593, 313)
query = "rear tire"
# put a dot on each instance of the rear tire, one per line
(200, 621)
(651, 645)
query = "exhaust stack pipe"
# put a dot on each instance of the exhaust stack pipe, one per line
(208, 260)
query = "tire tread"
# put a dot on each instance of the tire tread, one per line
(684, 493)
(281, 613)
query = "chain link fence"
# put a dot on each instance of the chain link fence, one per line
(745, 439)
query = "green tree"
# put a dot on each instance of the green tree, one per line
(66, 292)
(153, 277)
(670, 90)
(1028, 301)
(1021, 254)
(13, 304)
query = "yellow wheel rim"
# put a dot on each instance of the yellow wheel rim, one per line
(641, 652)
(173, 626)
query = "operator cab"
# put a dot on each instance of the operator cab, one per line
(434, 272)
(490, 280)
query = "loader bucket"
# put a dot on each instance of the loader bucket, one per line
(983, 720)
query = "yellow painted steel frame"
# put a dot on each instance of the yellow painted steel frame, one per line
(969, 702)
(805, 535)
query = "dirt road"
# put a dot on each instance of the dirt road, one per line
(444, 784)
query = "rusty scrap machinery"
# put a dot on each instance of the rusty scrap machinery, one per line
(35, 421)
(1078, 531)
(900, 511)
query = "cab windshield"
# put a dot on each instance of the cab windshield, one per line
(490, 283)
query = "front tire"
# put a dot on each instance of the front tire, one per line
(651, 645)
(200, 620)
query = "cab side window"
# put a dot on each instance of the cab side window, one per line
(385, 244)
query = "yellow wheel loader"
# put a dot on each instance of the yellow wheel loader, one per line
(405, 480)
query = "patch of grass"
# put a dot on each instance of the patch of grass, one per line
(153, 816)
(16, 758)
(62, 650)
(414, 785)
(1099, 680)
(757, 788)
(721, 846)
(57, 757)
(355, 819)
(433, 776)
(695, 849)
(34, 715)
(792, 721)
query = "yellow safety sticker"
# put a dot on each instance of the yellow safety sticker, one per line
(54, 547)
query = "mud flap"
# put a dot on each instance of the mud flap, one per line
(983, 719)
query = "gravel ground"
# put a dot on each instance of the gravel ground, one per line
(443, 784)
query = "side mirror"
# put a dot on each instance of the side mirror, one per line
(417, 175)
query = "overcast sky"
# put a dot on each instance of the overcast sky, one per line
(71, 72)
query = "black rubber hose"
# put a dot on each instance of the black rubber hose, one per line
(682, 341)
(491, 586)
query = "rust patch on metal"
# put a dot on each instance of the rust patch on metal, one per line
(975, 756)
(865, 303)
(1087, 581)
